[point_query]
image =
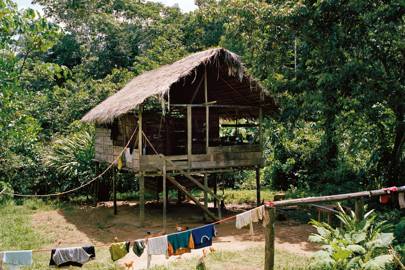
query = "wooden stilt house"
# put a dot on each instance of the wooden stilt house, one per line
(198, 117)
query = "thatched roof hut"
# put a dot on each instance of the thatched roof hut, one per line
(201, 115)
(159, 82)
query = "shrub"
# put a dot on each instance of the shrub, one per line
(356, 245)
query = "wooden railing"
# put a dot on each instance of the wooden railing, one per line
(271, 212)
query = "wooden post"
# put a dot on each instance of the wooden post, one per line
(164, 197)
(95, 195)
(141, 176)
(269, 238)
(258, 199)
(205, 193)
(189, 135)
(359, 209)
(261, 128)
(115, 190)
(215, 190)
(207, 113)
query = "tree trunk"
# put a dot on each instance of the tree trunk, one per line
(395, 170)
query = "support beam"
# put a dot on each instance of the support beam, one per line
(339, 197)
(115, 190)
(359, 209)
(205, 193)
(270, 220)
(215, 190)
(258, 199)
(141, 173)
(261, 128)
(188, 194)
(207, 112)
(189, 136)
(164, 198)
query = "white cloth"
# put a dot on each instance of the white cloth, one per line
(75, 254)
(401, 200)
(128, 155)
(14, 259)
(157, 245)
(243, 219)
(257, 213)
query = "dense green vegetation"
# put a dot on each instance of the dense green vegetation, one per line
(335, 67)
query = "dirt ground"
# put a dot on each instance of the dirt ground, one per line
(77, 226)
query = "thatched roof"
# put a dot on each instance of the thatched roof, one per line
(158, 82)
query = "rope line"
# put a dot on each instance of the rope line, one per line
(79, 187)
(224, 220)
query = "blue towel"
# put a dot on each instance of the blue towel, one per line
(203, 236)
(17, 258)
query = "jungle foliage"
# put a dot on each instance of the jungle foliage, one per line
(336, 69)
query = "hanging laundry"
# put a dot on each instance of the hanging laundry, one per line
(120, 164)
(139, 247)
(401, 200)
(119, 250)
(76, 255)
(257, 213)
(128, 155)
(90, 250)
(15, 259)
(243, 219)
(156, 246)
(202, 236)
(180, 243)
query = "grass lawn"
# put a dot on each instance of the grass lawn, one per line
(245, 260)
(17, 233)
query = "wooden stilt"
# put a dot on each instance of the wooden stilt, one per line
(205, 193)
(207, 113)
(95, 186)
(164, 198)
(215, 190)
(115, 191)
(258, 199)
(189, 136)
(141, 199)
(141, 173)
(269, 238)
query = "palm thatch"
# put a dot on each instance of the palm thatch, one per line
(158, 82)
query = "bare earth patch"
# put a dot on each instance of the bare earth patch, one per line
(98, 226)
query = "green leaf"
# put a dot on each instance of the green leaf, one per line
(378, 263)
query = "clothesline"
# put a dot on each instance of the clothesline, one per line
(144, 239)
(79, 187)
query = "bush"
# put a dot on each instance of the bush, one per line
(357, 244)
(6, 187)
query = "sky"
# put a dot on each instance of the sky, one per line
(185, 5)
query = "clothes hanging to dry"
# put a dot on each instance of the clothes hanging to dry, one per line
(202, 236)
(139, 247)
(90, 250)
(119, 250)
(75, 255)
(180, 243)
(15, 259)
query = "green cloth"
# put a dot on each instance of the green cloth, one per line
(119, 250)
